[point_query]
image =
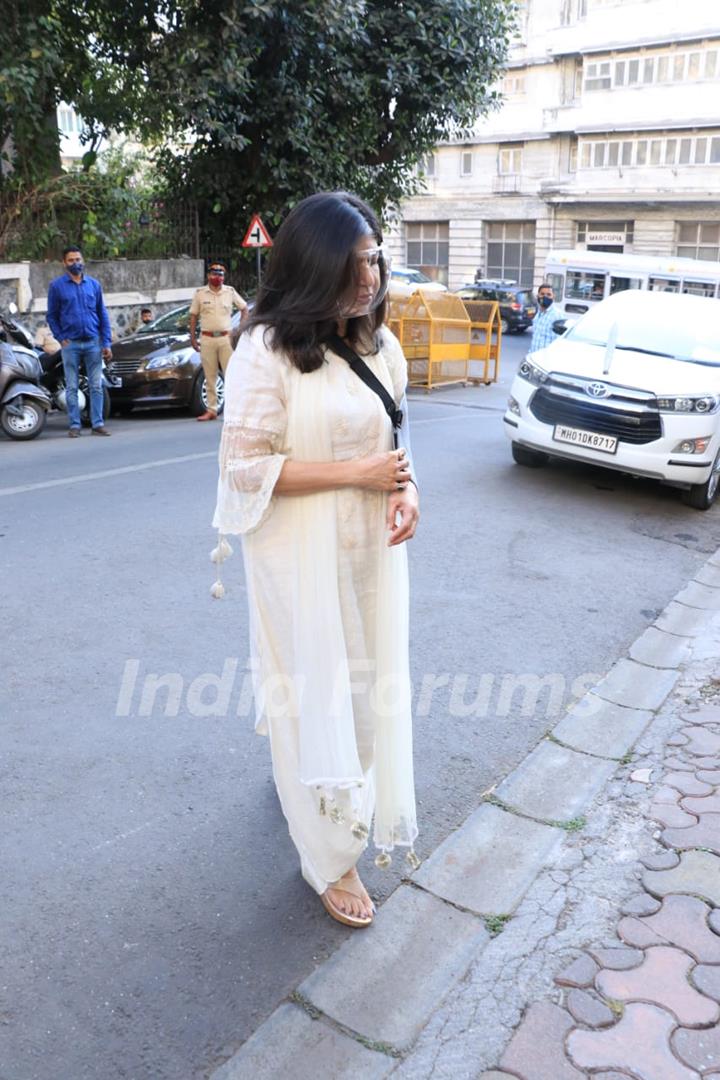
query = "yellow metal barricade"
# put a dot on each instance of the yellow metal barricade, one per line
(434, 331)
(485, 340)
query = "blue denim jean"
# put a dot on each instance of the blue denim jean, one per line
(89, 353)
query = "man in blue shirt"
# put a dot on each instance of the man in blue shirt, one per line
(79, 320)
(548, 313)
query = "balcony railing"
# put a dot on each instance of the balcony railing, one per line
(507, 184)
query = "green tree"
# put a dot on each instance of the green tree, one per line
(253, 104)
(280, 98)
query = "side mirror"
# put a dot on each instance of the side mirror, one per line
(560, 326)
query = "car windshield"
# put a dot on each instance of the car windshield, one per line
(660, 331)
(413, 276)
(175, 322)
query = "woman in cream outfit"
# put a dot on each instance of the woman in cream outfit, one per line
(310, 480)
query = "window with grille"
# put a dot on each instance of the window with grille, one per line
(466, 163)
(698, 240)
(510, 251)
(428, 248)
(676, 149)
(642, 69)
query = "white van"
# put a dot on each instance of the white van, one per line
(582, 278)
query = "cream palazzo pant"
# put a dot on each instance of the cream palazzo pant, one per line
(327, 850)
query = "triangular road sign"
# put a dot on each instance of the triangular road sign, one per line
(257, 235)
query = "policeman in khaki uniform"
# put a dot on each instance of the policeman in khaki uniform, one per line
(213, 305)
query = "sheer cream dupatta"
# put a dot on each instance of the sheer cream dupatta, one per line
(320, 684)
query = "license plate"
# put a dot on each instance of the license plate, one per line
(591, 440)
(115, 381)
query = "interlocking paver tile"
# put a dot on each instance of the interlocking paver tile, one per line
(537, 1048)
(707, 979)
(678, 763)
(661, 979)
(709, 805)
(639, 1042)
(708, 776)
(697, 873)
(686, 784)
(681, 921)
(677, 740)
(667, 796)
(714, 921)
(699, 1049)
(706, 762)
(588, 1009)
(702, 741)
(580, 973)
(642, 903)
(672, 816)
(661, 860)
(618, 959)
(706, 834)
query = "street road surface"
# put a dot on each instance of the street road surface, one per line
(153, 910)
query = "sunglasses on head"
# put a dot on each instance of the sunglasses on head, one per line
(216, 270)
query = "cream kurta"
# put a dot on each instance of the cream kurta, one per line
(327, 599)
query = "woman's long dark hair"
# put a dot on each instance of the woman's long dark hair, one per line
(311, 270)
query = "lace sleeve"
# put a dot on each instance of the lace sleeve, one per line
(251, 448)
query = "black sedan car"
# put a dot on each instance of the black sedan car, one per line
(517, 304)
(158, 366)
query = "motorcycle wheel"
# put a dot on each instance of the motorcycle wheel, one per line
(85, 415)
(27, 425)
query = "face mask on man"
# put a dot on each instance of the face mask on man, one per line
(216, 279)
(546, 301)
(76, 266)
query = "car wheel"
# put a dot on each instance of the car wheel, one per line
(702, 496)
(532, 459)
(504, 326)
(198, 401)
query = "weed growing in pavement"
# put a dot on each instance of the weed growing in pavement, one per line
(495, 924)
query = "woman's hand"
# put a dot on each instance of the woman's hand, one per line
(403, 514)
(383, 472)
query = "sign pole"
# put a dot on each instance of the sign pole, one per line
(258, 237)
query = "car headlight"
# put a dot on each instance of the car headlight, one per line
(534, 374)
(704, 403)
(166, 360)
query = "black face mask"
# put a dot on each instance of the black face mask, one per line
(546, 301)
(76, 267)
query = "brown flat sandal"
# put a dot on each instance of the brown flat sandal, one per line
(355, 921)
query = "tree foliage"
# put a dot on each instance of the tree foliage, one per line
(252, 104)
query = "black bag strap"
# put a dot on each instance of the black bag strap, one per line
(371, 380)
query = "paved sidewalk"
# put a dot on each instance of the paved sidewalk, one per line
(571, 927)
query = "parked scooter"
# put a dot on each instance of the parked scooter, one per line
(53, 379)
(23, 402)
(52, 374)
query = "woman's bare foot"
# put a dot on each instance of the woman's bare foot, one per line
(350, 896)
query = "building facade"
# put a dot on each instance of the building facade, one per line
(608, 139)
